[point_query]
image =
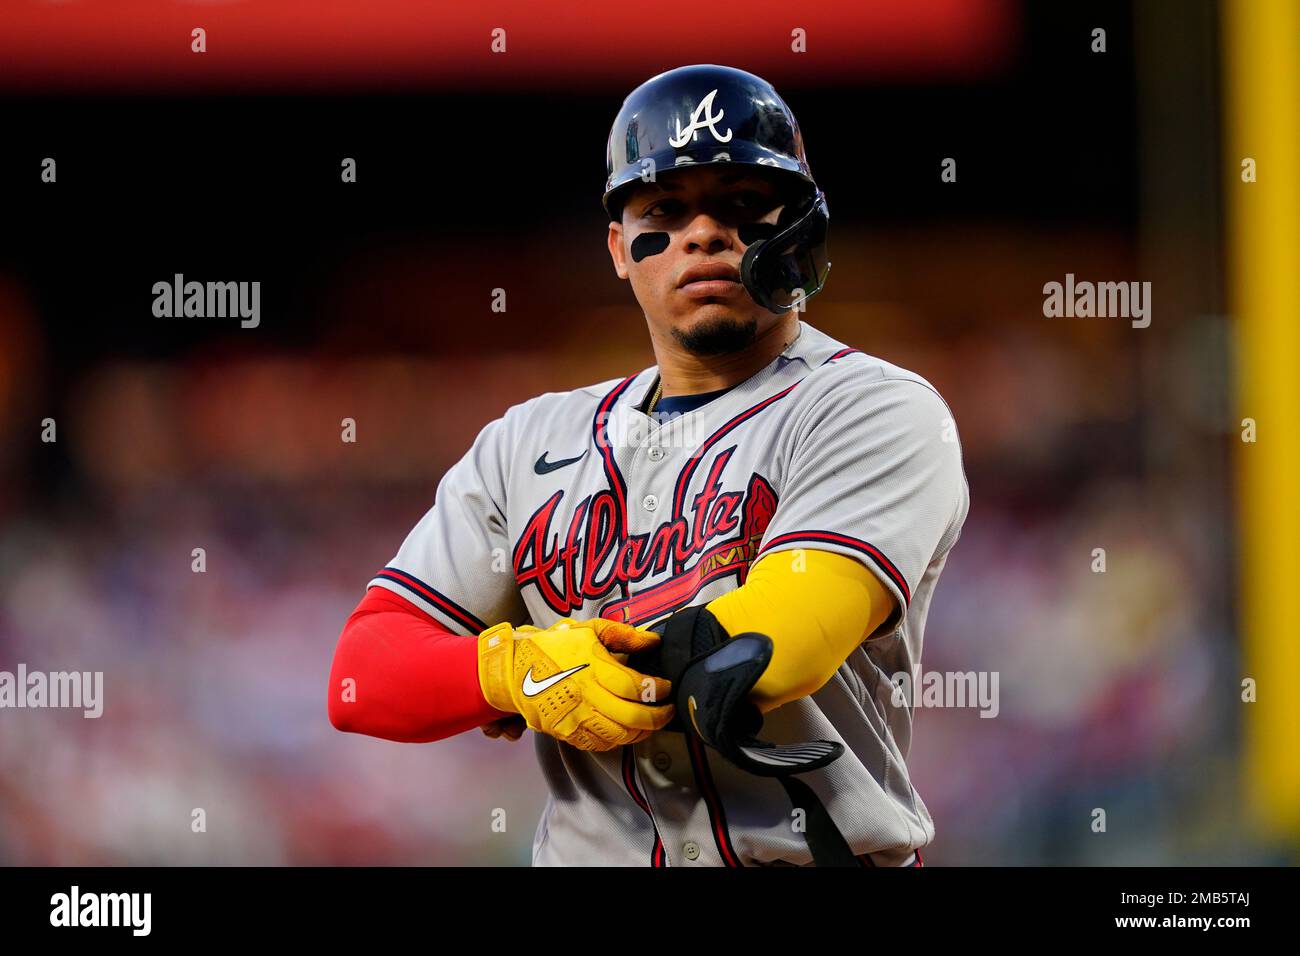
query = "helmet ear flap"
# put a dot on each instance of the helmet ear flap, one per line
(790, 265)
(747, 275)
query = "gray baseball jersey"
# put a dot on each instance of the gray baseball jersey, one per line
(577, 504)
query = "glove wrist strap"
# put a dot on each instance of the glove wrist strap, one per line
(495, 665)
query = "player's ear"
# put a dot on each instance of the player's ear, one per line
(617, 251)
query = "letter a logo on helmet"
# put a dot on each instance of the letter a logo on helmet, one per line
(660, 127)
(709, 121)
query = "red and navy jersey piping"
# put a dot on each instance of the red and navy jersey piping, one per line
(658, 855)
(874, 554)
(432, 595)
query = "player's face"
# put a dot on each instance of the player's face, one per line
(686, 220)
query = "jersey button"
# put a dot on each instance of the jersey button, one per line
(655, 453)
(650, 502)
(662, 761)
(691, 850)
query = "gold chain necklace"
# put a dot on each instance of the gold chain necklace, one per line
(654, 399)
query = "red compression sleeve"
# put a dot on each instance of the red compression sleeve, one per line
(412, 679)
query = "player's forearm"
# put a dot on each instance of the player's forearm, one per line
(816, 606)
(398, 675)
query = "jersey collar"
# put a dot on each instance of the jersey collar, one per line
(811, 346)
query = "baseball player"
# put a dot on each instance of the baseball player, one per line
(695, 583)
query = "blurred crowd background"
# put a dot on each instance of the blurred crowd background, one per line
(1119, 690)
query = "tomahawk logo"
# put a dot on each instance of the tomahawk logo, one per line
(710, 120)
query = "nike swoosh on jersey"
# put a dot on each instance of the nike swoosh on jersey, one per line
(543, 466)
(532, 688)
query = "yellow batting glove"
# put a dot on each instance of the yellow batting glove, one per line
(570, 681)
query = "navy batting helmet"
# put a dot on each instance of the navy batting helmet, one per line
(705, 115)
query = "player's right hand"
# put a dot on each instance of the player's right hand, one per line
(565, 681)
